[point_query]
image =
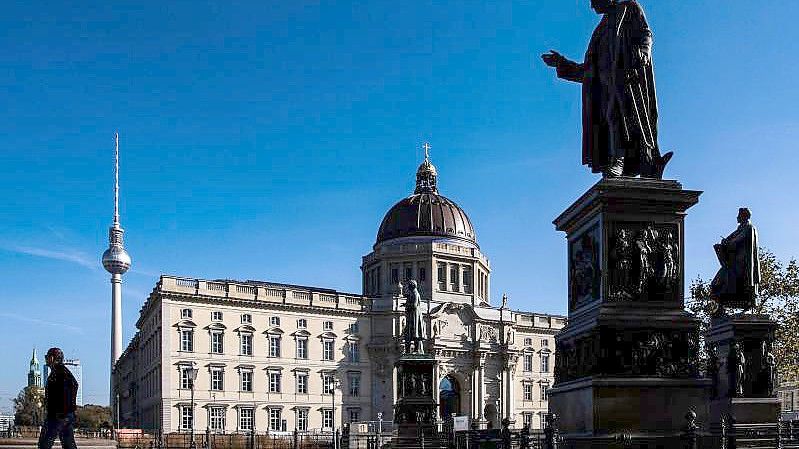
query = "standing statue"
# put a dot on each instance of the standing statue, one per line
(622, 255)
(669, 270)
(646, 253)
(739, 364)
(414, 322)
(736, 283)
(619, 104)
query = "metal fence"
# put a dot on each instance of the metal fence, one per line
(243, 440)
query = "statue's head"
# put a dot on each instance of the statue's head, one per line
(744, 215)
(412, 285)
(54, 356)
(602, 6)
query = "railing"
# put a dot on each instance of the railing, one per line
(237, 440)
(246, 289)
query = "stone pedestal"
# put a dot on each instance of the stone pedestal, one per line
(416, 409)
(627, 360)
(741, 368)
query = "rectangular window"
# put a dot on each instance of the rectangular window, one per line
(355, 415)
(187, 340)
(544, 392)
(327, 383)
(216, 418)
(408, 273)
(246, 416)
(217, 339)
(354, 328)
(327, 325)
(544, 363)
(216, 316)
(528, 341)
(185, 314)
(185, 378)
(302, 348)
(544, 343)
(327, 349)
(186, 417)
(422, 274)
(274, 419)
(467, 280)
(527, 419)
(217, 379)
(454, 278)
(274, 321)
(543, 420)
(302, 323)
(327, 419)
(355, 352)
(355, 385)
(246, 344)
(394, 276)
(274, 346)
(302, 420)
(528, 392)
(302, 383)
(274, 382)
(378, 280)
(246, 318)
(442, 276)
(528, 362)
(246, 380)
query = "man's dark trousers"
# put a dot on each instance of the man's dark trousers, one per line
(62, 428)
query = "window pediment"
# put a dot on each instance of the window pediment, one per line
(185, 323)
(328, 335)
(245, 328)
(274, 331)
(301, 333)
(216, 326)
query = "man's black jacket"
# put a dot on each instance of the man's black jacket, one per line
(61, 391)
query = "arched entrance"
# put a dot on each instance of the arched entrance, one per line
(449, 396)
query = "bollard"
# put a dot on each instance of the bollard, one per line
(690, 429)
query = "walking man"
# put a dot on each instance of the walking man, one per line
(59, 396)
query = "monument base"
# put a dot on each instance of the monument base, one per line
(598, 407)
(415, 411)
(750, 399)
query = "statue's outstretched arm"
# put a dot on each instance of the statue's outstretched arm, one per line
(571, 71)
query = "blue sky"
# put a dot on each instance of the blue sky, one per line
(266, 141)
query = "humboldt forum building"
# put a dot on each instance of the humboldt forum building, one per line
(241, 356)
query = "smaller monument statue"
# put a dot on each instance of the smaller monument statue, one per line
(414, 333)
(736, 283)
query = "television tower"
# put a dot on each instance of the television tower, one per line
(116, 261)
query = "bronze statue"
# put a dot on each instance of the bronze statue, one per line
(619, 104)
(736, 283)
(414, 322)
(739, 363)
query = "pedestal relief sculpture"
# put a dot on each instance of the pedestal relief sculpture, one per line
(620, 113)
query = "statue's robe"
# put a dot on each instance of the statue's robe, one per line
(619, 103)
(414, 321)
(736, 283)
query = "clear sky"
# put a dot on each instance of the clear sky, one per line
(266, 141)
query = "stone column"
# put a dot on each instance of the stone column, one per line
(481, 387)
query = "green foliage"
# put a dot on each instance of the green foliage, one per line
(778, 298)
(93, 417)
(29, 407)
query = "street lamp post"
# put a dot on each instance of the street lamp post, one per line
(192, 377)
(334, 384)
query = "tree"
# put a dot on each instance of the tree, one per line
(92, 416)
(778, 297)
(29, 407)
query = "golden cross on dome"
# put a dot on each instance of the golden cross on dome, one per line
(426, 147)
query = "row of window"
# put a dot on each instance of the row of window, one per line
(275, 345)
(246, 318)
(527, 363)
(246, 418)
(274, 380)
(457, 273)
(790, 400)
(527, 420)
(527, 391)
(528, 341)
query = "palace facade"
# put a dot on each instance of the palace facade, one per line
(276, 357)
